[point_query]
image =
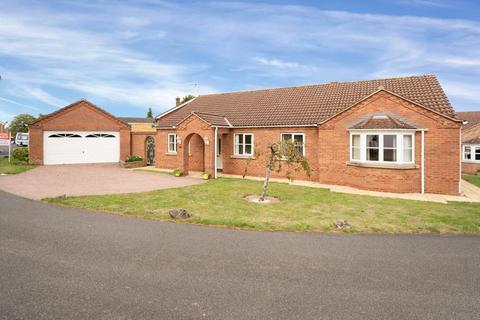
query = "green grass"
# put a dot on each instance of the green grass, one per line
(13, 167)
(220, 202)
(472, 179)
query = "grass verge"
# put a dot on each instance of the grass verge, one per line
(220, 202)
(14, 166)
(473, 179)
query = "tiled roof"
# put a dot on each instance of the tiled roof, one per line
(472, 141)
(136, 120)
(382, 121)
(473, 118)
(214, 119)
(307, 105)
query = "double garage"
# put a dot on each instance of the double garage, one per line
(61, 147)
(79, 133)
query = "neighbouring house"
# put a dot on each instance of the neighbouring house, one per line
(470, 141)
(395, 135)
(2, 127)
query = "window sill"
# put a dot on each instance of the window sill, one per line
(472, 161)
(383, 165)
(242, 157)
(171, 154)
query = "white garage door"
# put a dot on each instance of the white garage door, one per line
(67, 147)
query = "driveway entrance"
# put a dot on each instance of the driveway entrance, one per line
(92, 179)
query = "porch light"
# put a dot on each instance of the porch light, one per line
(179, 140)
(206, 140)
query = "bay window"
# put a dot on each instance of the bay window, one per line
(243, 144)
(172, 143)
(471, 153)
(388, 147)
(298, 140)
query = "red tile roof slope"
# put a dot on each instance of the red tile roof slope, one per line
(473, 117)
(308, 105)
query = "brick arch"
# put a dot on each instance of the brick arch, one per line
(193, 153)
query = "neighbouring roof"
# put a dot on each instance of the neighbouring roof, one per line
(473, 118)
(472, 141)
(142, 127)
(382, 121)
(131, 120)
(307, 105)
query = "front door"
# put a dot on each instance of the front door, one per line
(219, 154)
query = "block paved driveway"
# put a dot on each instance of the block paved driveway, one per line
(63, 263)
(91, 179)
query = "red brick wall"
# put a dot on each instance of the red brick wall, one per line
(79, 117)
(186, 130)
(138, 143)
(442, 152)
(263, 137)
(470, 168)
(327, 149)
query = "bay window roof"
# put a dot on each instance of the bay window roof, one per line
(382, 121)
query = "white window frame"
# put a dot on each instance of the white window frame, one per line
(399, 149)
(293, 140)
(243, 145)
(473, 150)
(174, 150)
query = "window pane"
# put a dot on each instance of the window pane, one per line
(286, 136)
(238, 138)
(372, 141)
(389, 141)
(355, 153)
(407, 155)
(356, 140)
(298, 139)
(390, 155)
(477, 153)
(248, 139)
(237, 149)
(299, 149)
(467, 155)
(407, 141)
(248, 149)
(372, 154)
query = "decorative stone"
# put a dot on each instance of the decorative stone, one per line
(342, 224)
(179, 213)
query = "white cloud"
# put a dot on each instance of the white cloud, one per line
(126, 53)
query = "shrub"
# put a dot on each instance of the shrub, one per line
(20, 154)
(177, 172)
(134, 159)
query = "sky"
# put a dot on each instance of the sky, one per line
(126, 56)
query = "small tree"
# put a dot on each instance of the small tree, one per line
(20, 123)
(187, 98)
(281, 154)
(150, 113)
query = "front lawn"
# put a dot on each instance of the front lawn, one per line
(220, 202)
(14, 166)
(472, 179)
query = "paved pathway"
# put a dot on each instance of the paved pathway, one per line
(75, 180)
(63, 263)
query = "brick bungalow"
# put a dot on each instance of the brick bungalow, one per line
(396, 135)
(470, 141)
